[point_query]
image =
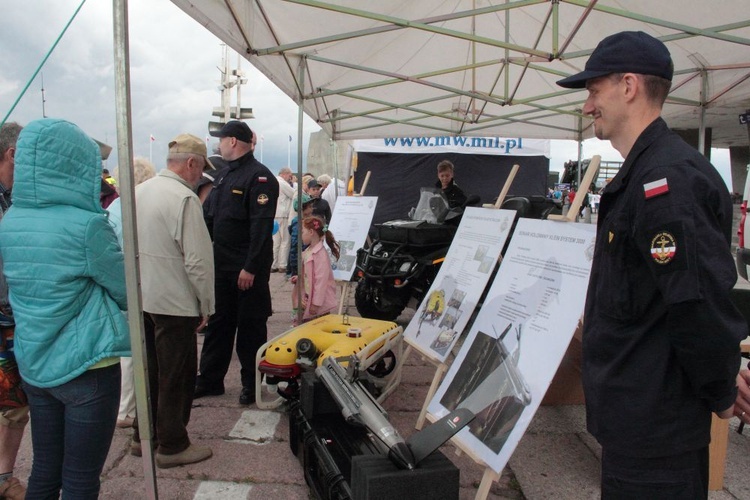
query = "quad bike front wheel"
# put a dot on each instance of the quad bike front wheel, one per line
(374, 303)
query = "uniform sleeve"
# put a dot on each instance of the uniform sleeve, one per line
(261, 207)
(679, 234)
(105, 262)
(208, 214)
(194, 241)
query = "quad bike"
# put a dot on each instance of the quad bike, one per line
(404, 258)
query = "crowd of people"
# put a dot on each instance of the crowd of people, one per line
(206, 255)
(212, 229)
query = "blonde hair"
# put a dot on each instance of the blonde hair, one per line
(143, 170)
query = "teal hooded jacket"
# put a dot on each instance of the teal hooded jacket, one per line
(61, 258)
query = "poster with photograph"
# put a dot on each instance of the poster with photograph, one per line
(350, 222)
(448, 305)
(518, 340)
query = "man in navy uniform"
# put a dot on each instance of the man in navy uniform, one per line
(661, 335)
(239, 214)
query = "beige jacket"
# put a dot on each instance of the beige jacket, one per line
(176, 254)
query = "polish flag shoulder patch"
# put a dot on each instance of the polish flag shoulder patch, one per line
(262, 179)
(656, 188)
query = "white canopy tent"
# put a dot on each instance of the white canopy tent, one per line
(393, 68)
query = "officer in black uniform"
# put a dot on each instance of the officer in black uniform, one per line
(661, 335)
(239, 213)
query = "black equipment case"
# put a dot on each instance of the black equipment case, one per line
(341, 462)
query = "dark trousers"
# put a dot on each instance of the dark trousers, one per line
(236, 312)
(683, 476)
(171, 352)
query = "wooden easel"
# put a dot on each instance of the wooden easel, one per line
(346, 285)
(506, 186)
(441, 367)
(583, 188)
(490, 475)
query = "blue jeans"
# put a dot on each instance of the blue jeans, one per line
(71, 430)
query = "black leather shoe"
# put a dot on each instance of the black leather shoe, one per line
(201, 391)
(247, 396)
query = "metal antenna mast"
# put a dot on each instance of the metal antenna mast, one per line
(44, 114)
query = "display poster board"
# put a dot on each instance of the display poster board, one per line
(448, 305)
(518, 340)
(350, 223)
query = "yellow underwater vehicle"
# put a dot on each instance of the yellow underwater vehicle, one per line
(376, 343)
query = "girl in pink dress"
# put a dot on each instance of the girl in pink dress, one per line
(319, 286)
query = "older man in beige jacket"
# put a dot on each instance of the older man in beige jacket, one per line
(177, 274)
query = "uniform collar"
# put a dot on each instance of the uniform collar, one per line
(237, 162)
(656, 129)
(439, 184)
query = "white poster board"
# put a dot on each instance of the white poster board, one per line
(448, 305)
(518, 340)
(350, 222)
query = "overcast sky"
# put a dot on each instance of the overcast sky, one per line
(174, 80)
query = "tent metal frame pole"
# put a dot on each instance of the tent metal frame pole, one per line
(300, 122)
(130, 238)
(406, 78)
(702, 120)
(405, 23)
(393, 27)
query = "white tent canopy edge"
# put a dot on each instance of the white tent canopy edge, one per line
(479, 67)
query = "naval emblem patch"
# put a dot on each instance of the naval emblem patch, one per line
(262, 199)
(663, 248)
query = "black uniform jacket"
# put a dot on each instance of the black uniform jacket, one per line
(239, 213)
(456, 197)
(661, 336)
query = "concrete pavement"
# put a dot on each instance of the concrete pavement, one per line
(557, 458)
(252, 458)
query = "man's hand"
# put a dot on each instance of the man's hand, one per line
(725, 414)
(202, 324)
(742, 405)
(245, 280)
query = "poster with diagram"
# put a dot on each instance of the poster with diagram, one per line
(445, 311)
(350, 222)
(511, 354)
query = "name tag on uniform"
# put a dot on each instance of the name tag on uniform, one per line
(237, 191)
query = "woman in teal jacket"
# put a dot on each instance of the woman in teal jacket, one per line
(67, 288)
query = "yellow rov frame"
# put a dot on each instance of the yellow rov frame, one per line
(334, 335)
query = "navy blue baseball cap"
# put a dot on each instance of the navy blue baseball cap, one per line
(235, 128)
(625, 52)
